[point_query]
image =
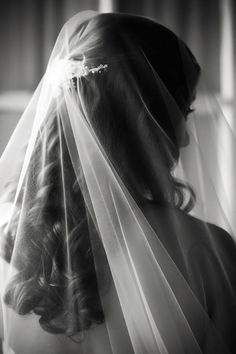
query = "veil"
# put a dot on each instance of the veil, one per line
(117, 225)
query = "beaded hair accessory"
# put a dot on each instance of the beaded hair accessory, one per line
(63, 72)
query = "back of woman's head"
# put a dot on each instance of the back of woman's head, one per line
(143, 51)
(141, 101)
(145, 65)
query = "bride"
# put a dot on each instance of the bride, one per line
(113, 234)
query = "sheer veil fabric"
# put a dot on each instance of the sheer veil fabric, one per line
(117, 227)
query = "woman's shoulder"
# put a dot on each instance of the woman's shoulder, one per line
(191, 232)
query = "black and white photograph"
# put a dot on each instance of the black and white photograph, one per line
(118, 177)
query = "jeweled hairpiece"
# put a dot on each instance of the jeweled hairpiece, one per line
(63, 71)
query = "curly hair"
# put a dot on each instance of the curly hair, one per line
(48, 235)
(45, 274)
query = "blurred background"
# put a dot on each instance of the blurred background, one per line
(28, 30)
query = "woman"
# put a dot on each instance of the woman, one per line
(100, 252)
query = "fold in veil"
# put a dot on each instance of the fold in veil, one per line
(114, 204)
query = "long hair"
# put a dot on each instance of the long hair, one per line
(110, 104)
(43, 289)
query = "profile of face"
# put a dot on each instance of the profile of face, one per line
(182, 134)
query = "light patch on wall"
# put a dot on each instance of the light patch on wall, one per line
(226, 156)
(14, 101)
(106, 5)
